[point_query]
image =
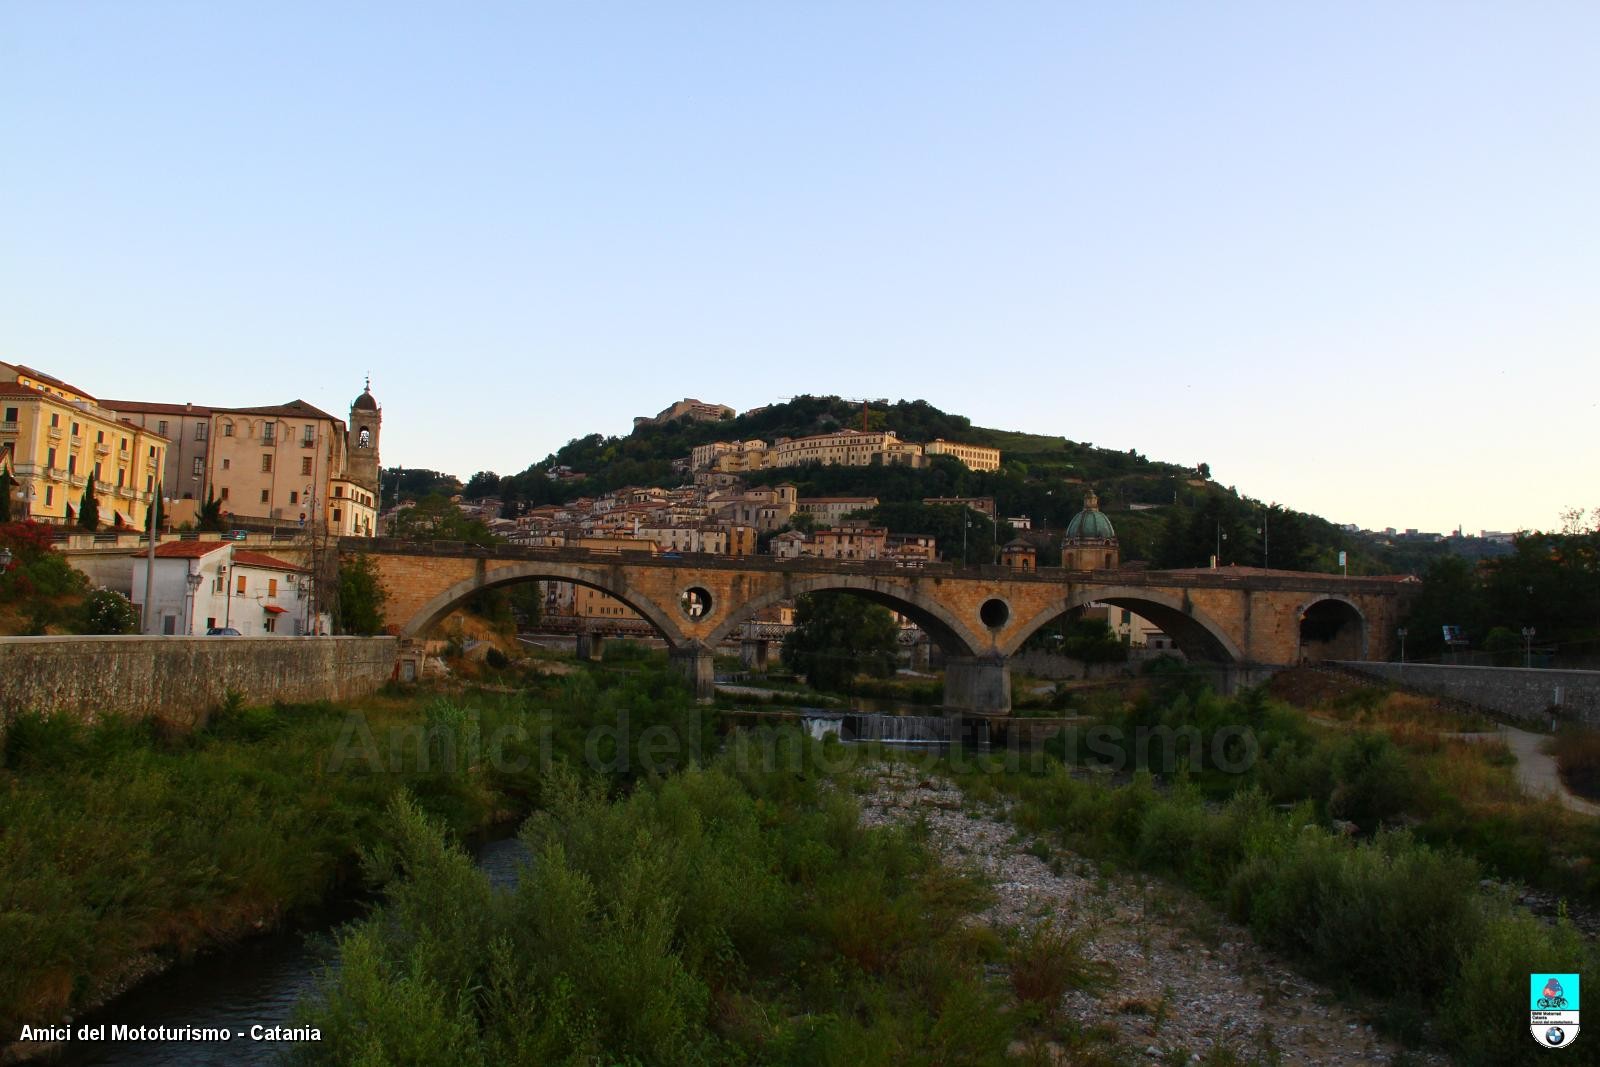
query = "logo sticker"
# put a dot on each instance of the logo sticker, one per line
(1553, 1008)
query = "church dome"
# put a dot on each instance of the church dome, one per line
(365, 401)
(1090, 524)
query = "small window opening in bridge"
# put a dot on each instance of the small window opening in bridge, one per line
(994, 613)
(695, 602)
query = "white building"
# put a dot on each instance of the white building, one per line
(235, 587)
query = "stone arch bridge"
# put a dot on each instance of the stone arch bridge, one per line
(1239, 618)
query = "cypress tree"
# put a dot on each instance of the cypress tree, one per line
(89, 508)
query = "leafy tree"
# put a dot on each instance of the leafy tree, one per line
(211, 513)
(838, 636)
(1204, 470)
(482, 484)
(361, 596)
(89, 507)
(1451, 595)
(435, 518)
(106, 611)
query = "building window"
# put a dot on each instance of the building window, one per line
(241, 581)
(305, 464)
(272, 587)
(224, 492)
(226, 463)
(227, 429)
(211, 622)
(161, 427)
(100, 437)
(50, 458)
(74, 429)
(149, 483)
(310, 438)
(264, 496)
(266, 463)
(55, 418)
(124, 444)
(98, 476)
(364, 439)
(336, 514)
(122, 477)
(199, 431)
(271, 624)
(72, 465)
(49, 495)
(11, 414)
(294, 497)
(199, 466)
(268, 432)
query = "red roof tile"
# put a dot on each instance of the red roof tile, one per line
(261, 559)
(185, 549)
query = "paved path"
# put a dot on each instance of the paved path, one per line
(1536, 770)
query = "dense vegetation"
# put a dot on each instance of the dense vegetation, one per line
(125, 838)
(1371, 878)
(730, 915)
(41, 593)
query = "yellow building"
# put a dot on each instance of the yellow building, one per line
(55, 438)
(849, 448)
(976, 457)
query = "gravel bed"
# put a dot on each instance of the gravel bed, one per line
(1184, 978)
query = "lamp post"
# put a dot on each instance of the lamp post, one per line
(1402, 633)
(1527, 646)
(5, 559)
(193, 581)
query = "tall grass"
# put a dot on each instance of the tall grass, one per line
(722, 915)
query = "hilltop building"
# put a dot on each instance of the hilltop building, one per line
(687, 408)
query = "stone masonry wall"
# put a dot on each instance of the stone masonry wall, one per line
(181, 679)
(1515, 691)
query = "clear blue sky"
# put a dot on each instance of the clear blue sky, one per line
(1347, 253)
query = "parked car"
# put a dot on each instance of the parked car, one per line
(223, 631)
(236, 535)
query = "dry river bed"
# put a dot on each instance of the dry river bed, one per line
(1183, 979)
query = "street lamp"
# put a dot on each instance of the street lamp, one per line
(1527, 645)
(193, 581)
(1402, 633)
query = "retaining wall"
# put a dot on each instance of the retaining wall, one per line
(181, 679)
(1515, 691)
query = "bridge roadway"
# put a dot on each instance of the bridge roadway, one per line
(1243, 618)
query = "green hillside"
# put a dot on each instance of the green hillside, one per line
(1165, 513)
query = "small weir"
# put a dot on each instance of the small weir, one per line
(897, 729)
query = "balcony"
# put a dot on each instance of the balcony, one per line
(8, 426)
(54, 432)
(56, 474)
(102, 449)
(306, 442)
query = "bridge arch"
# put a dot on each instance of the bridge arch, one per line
(1331, 627)
(935, 619)
(1195, 633)
(455, 595)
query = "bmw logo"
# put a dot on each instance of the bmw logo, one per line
(1555, 1035)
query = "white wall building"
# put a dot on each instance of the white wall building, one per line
(257, 594)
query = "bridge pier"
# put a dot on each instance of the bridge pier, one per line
(698, 667)
(589, 646)
(754, 653)
(977, 685)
